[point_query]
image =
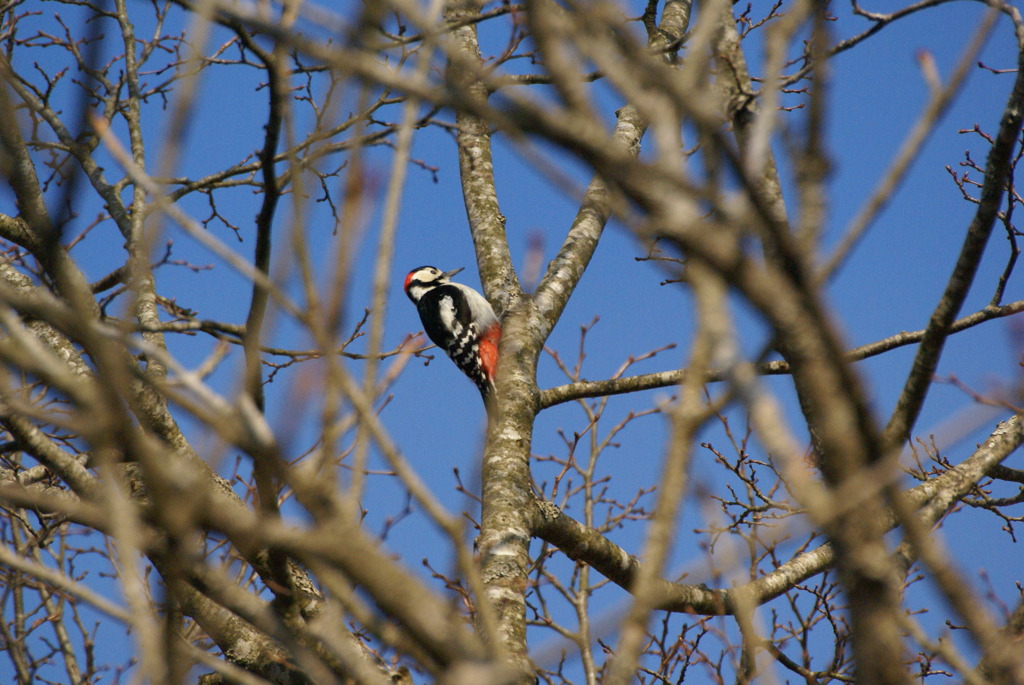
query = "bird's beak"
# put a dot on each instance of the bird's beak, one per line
(449, 274)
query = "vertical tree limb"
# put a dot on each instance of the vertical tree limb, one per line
(997, 169)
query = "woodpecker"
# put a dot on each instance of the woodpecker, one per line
(459, 320)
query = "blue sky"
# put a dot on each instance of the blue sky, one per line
(890, 284)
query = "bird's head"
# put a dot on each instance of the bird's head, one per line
(424, 278)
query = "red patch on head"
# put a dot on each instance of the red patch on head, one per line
(407, 279)
(489, 350)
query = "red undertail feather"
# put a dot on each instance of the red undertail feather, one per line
(489, 350)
